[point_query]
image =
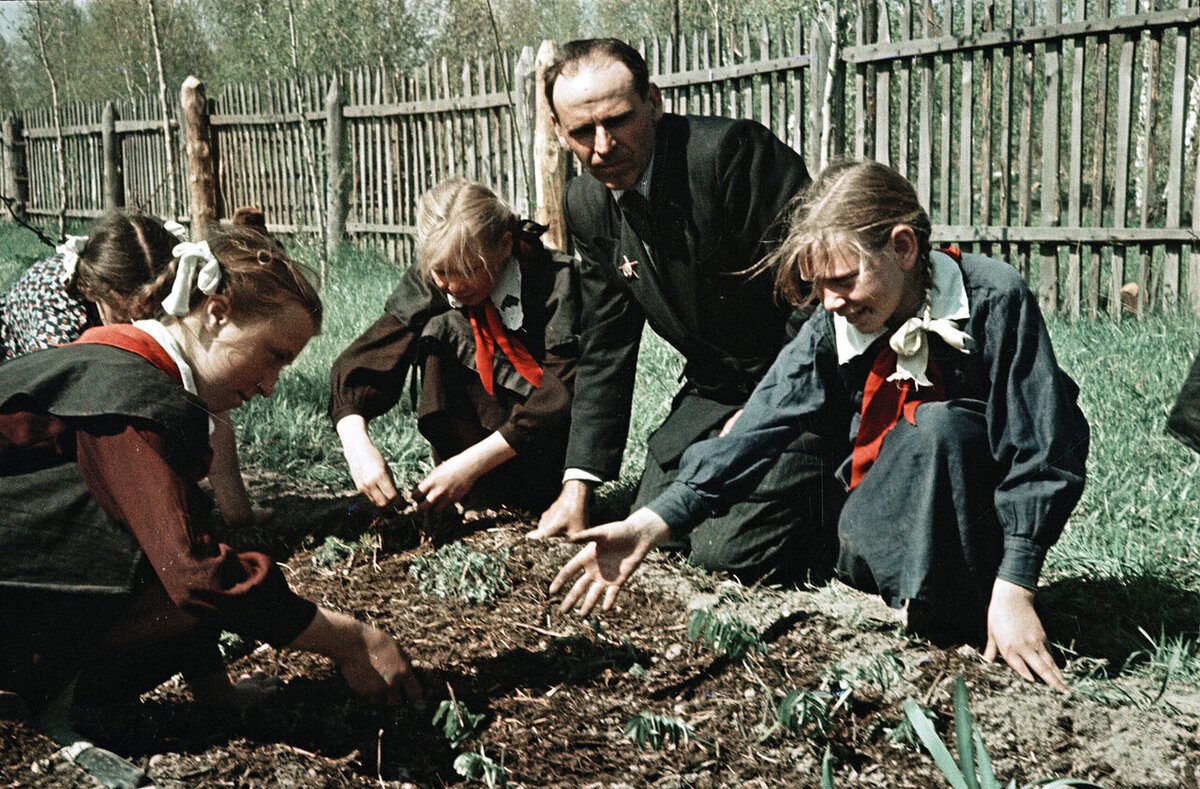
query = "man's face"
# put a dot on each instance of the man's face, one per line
(602, 119)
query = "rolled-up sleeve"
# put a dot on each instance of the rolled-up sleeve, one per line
(245, 593)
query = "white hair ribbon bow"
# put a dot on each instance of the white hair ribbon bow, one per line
(70, 250)
(911, 344)
(192, 257)
(174, 228)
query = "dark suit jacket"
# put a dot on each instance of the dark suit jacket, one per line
(716, 189)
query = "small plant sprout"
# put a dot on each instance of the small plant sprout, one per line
(883, 671)
(454, 570)
(724, 635)
(827, 769)
(336, 551)
(974, 767)
(653, 731)
(478, 767)
(458, 723)
(809, 713)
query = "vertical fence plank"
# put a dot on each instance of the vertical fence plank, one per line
(1148, 284)
(904, 92)
(1099, 163)
(883, 91)
(925, 132)
(1174, 188)
(966, 123)
(1075, 167)
(1048, 265)
(945, 160)
(1128, 46)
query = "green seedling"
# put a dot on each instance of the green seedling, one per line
(827, 769)
(883, 671)
(974, 767)
(724, 635)
(650, 730)
(478, 767)
(458, 723)
(336, 551)
(808, 712)
(454, 570)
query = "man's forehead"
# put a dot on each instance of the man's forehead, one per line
(594, 79)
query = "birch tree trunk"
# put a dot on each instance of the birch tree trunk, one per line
(168, 138)
(306, 142)
(60, 154)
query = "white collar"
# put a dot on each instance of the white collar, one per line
(947, 303)
(159, 333)
(506, 295)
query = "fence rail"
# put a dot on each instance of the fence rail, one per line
(1059, 136)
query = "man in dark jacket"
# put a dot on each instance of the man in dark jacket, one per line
(668, 217)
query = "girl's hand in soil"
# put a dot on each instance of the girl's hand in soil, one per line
(368, 469)
(614, 551)
(369, 659)
(1015, 633)
(454, 478)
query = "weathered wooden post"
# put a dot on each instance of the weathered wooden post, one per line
(523, 117)
(819, 108)
(202, 182)
(114, 177)
(549, 158)
(335, 184)
(16, 167)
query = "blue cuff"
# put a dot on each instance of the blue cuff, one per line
(1022, 562)
(680, 507)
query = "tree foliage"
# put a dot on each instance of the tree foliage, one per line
(102, 49)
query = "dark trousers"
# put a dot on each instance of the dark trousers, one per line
(783, 532)
(456, 412)
(922, 525)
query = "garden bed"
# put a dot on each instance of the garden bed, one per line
(556, 693)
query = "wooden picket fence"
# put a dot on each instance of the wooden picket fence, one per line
(1061, 139)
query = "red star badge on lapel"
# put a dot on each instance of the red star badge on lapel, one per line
(626, 268)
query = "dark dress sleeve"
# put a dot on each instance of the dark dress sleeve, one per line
(1038, 436)
(127, 471)
(368, 377)
(1184, 420)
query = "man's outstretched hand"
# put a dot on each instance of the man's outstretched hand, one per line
(601, 567)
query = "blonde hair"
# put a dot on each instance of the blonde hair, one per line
(457, 221)
(257, 277)
(855, 204)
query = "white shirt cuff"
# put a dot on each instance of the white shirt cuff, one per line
(581, 475)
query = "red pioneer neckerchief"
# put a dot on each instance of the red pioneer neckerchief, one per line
(884, 401)
(489, 332)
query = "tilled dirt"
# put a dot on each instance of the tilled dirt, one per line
(557, 692)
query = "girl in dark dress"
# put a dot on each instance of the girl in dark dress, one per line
(103, 547)
(94, 280)
(489, 316)
(933, 373)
